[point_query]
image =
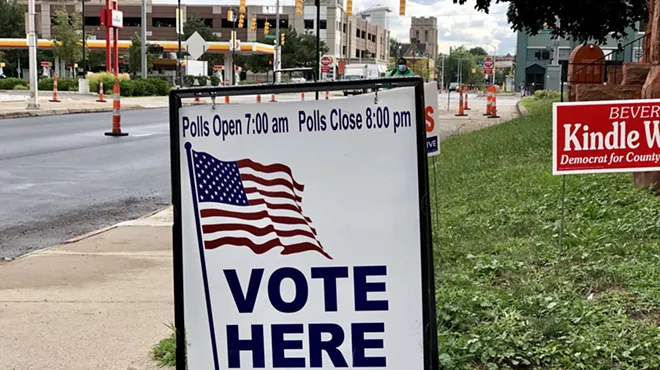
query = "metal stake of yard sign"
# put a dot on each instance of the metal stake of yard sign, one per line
(563, 202)
(561, 223)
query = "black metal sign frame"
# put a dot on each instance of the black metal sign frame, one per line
(428, 281)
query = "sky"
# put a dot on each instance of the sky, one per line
(457, 24)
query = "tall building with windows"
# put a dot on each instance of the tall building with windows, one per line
(351, 39)
(425, 30)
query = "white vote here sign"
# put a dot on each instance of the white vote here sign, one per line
(301, 238)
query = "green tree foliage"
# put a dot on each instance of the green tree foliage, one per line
(394, 48)
(468, 62)
(193, 24)
(95, 59)
(582, 20)
(135, 56)
(67, 34)
(299, 50)
(478, 51)
(12, 25)
(257, 63)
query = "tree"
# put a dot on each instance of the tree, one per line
(582, 21)
(12, 25)
(257, 63)
(478, 51)
(299, 50)
(135, 56)
(394, 48)
(195, 24)
(67, 35)
(467, 61)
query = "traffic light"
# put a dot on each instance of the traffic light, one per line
(299, 7)
(349, 8)
(282, 39)
(241, 8)
(266, 28)
(241, 20)
(253, 24)
(402, 7)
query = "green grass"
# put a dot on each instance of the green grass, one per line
(165, 351)
(507, 296)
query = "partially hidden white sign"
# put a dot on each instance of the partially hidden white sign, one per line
(432, 117)
(300, 226)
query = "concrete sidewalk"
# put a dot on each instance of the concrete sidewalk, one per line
(16, 107)
(101, 301)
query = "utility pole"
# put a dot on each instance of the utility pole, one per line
(233, 46)
(442, 76)
(84, 41)
(144, 38)
(318, 43)
(277, 57)
(178, 35)
(34, 94)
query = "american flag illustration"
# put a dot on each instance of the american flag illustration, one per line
(248, 204)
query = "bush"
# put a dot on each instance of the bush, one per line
(63, 84)
(160, 87)
(188, 80)
(108, 80)
(215, 80)
(10, 83)
(45, 84)
(143, 88)
(20, 87)
(126, 87)
(203, 80)
(546, 94)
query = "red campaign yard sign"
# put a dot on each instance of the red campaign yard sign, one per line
(606, 136)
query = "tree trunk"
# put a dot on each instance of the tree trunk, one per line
(651, 90)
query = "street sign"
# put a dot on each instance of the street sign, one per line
(326, 63)
(489, 64)
(196, 46)
(289, 223)
(606, 136)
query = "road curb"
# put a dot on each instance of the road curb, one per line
(521, 109)
(84, 236)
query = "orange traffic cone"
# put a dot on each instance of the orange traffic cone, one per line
(302, 96)
(461, 107)
(493, 109)
(326, 94)
(466, 100)
(197, 101)
(227, 99)
(116, 116)
(489, 101)
(55, 100)
(258, 98)
(101, 97)
(272, 98)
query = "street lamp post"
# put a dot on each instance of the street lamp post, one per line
(178, 35)
(84, 41)
(318, 43)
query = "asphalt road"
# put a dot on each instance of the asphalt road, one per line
(61, 177)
